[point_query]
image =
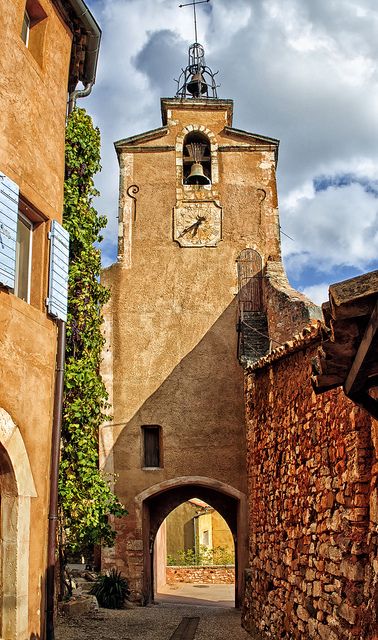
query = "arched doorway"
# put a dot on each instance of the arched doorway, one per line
(194, 557)
(16, 489)
(158, 501)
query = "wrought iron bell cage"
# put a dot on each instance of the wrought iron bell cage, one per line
(197, 80)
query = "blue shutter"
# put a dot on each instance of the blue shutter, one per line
(58, 279)
(8, 230)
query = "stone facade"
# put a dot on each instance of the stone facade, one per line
(171, 354)
(312, 468)
(201, 575)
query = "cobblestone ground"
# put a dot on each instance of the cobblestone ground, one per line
(156, 622)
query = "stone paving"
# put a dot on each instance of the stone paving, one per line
(160, 621)
(219, 595)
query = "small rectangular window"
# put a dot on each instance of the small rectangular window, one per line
(151, 446)
(23, 257)
(25, 28)
(33, 29)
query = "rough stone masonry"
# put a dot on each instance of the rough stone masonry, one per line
(312, 468)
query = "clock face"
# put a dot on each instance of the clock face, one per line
(198, 224)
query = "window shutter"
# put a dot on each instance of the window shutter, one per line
(9, 192)
(58, 278)
(151, 446)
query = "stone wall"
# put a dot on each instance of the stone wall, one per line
(204, 575)
(312, 466)
(287, 310)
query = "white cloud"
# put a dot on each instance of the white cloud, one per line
(331, 228)
(318, 293)
(302, 71)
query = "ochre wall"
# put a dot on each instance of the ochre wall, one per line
(222, 536)
(180, 528)
(312, 469)
(170, 325)
(27, 367)
(33, 98)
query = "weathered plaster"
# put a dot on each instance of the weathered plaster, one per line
(171, 351)
(33, 95)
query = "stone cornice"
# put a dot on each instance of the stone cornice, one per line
(201, 104)
(147, 136)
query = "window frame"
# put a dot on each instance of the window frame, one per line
(144, 429)
(29, 224)
(36, 29)
(27, 22)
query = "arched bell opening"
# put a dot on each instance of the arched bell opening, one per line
(196, 159)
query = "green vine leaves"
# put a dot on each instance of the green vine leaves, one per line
(86, 498)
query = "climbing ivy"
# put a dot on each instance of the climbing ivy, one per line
(86, 499)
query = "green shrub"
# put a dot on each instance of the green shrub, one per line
(111, 589)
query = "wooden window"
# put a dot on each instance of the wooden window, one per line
(33, 29)
(23, 257)
(151, 446)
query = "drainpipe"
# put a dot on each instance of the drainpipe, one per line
(55, 451)
(79, 93)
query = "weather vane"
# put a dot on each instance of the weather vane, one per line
(197, 80)
(194, 4)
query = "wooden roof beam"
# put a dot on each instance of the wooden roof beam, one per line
(357, 375)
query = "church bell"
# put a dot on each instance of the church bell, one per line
(197, 175)
(197, 85)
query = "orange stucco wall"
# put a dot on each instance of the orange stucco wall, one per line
(33, 106)
(33, 94)
(171, 355)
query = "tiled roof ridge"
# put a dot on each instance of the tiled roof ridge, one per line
(309, 334)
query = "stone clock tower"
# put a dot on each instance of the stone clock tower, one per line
(194, 292)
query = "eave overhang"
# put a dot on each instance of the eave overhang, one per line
(86, 41)
(350, 356)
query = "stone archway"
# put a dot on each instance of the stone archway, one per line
(16, 489)
(156, 502)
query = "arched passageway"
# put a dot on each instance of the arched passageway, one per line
(158, 501)
(194, 557)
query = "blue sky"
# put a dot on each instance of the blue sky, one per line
(303, 71)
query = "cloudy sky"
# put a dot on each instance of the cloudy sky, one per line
(303, 71)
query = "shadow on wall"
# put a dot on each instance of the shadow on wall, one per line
(200, 408)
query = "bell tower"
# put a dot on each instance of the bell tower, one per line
(198, 263)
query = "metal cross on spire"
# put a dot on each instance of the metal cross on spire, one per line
(194, 4)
